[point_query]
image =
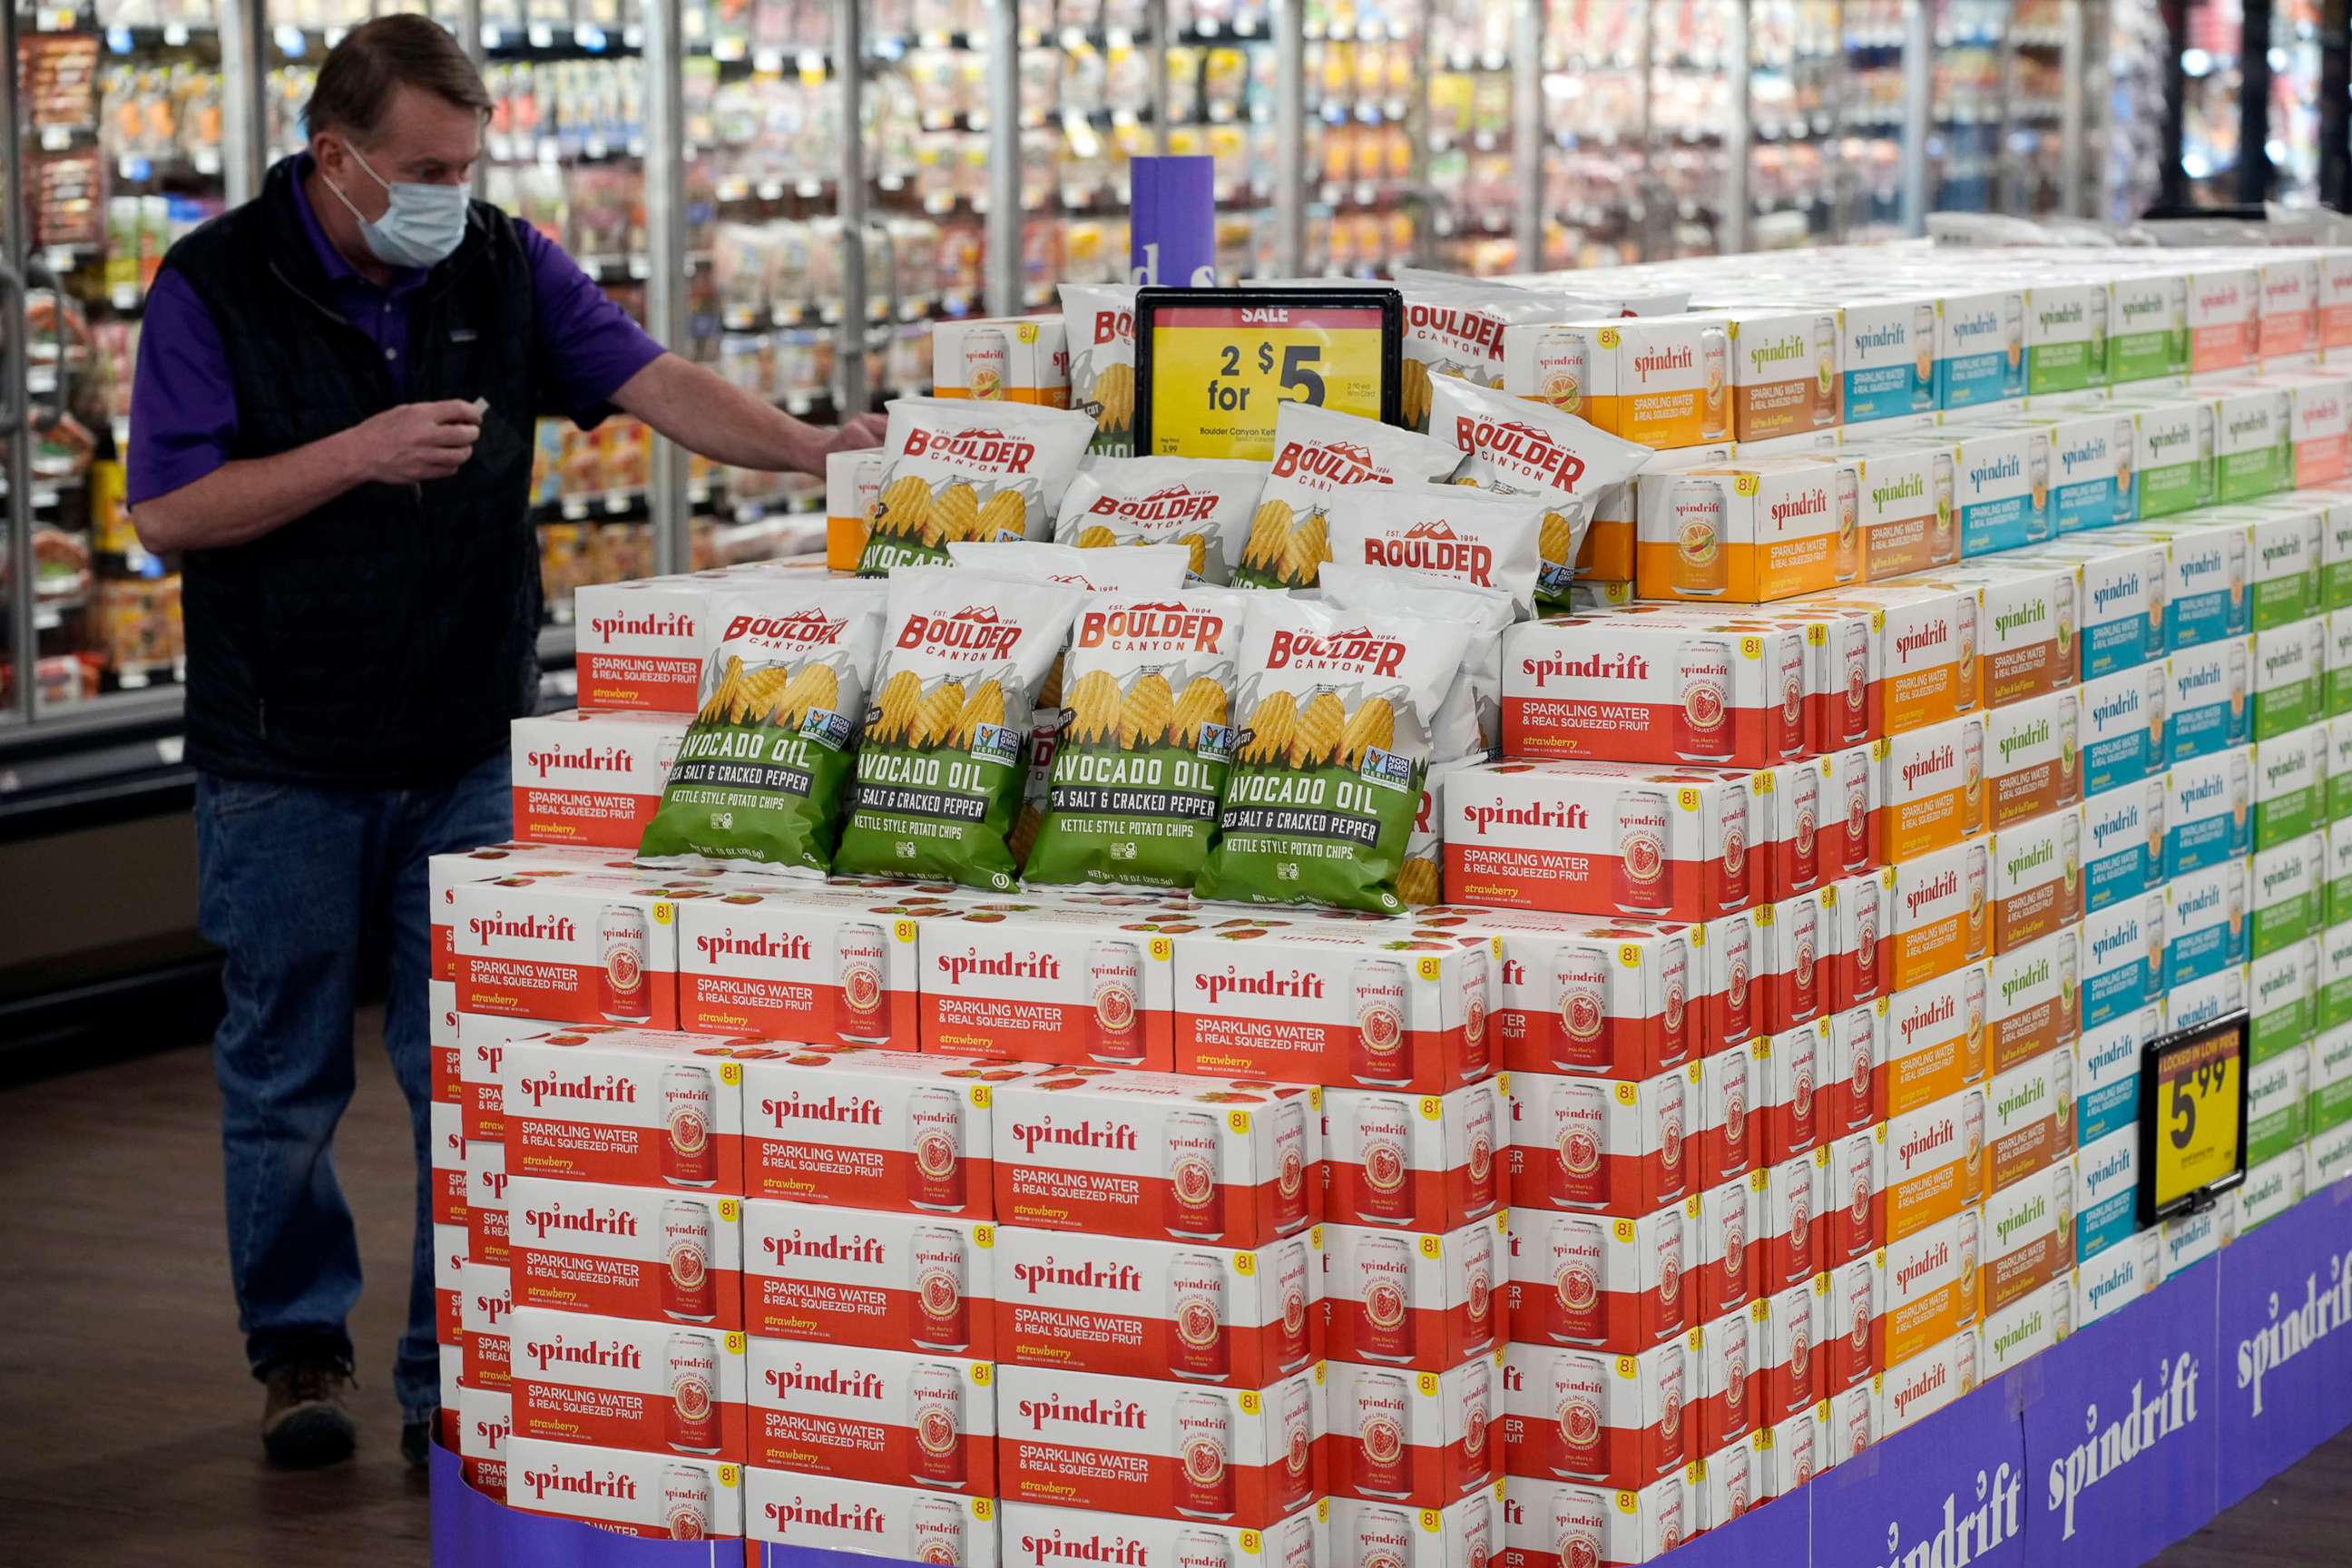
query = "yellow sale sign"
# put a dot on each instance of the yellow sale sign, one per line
(1219, 373)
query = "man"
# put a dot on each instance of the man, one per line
(331, 421)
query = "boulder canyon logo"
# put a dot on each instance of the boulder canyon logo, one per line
(2146, 1421)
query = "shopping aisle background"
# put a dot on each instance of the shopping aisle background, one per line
(135, 1439)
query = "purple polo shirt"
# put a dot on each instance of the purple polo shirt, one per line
(182, 402)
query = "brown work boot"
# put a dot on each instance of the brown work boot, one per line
(303, 1419)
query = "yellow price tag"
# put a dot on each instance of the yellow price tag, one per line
(1219, 373)
(2200, 1089)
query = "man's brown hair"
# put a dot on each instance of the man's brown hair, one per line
(375, 59)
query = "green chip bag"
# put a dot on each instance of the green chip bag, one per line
(1140, 763)
(957, 469)
(759, 778)
(940, 777)
(1335, 708)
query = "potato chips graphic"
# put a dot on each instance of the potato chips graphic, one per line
(1476, 539)
(1100, 317)
(1316, 452)
(1132, 799)
(759, 779)
(1317, 809)
(1518, 445)
(939, 780)
(1203, 504)
(959, 471)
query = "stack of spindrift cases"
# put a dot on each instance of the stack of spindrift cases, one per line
(1955, 700)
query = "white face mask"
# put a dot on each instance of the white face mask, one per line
(420, 228)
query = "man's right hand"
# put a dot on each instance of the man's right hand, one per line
(418, 441)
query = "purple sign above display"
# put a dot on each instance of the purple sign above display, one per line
(2121, 1437)
(1950, 1491)
(2286, 1349)
(1172, 235)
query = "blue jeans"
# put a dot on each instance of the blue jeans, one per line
(299, 884)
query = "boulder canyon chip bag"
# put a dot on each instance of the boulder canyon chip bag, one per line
(939, 775)
(1139, 764)
(1200, 504)
(760, 778)
(1156, 569)
(956, 469)
(1100, 319)
(1315, 452)
(1476, 539)
(1519, 447)
(1335, 707)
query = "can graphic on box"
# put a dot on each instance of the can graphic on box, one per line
(1477, 1539)
(1290, 1194)
(1480, 1118)
(1715, 369)
(1800, 1346)
(689, 1155)
(1825, 375)
(1731, 823)
(1670, 1126)
(1738, 962)
(691, 1424)
(1862, 1302)
(1384, 1266)
(1383, 1135)
(2062, 1313)
(1805, 828)
(865, 484)
(2067, 999)
(1475, 983)
(1580, 1523)
(1943, 543)
(1671, 1370)
(1976, 885)
(936, 1524)
(622, 935)
(1701, 567)
(935, 1138)
(2013, 337)
(1800, 1462)
(1202, 1549)
(1377, 989)
(1575, 1308)
(1477, 1415)
(1731, 1242)
(1923, 358)
(1205, 1445)
(986, 362)
(1803, 921)
(1478, 1288)
(1860, 1186)
(1972, 1001)
(1801, 1227)
(1383, 1540)
(2064, 1200)
(2037, 465)
(1853, 668)
(1115, 984)
(1972, 746)
(1579, 1111)
(2098, 314)
(1803, 1070)
(1845, 566)
(1641, 867)
(1971, 1222)
(687, 1291)
(1196, 1310)
(1563, 368)
(1794, 742)
(1735, 1110)
(942, 1315)
(1381, 1416)
(1853, 790)
(1674, 986)
(857, 966)
(1578, 1385)
(2069, 742)
(685, 1501)
(1864, 897)
(2120, 440)
(1734, 1330)
(1703, 678)
(1966, 697)
(1294, 1410)
(1737, 1483)
(1580, 987)
(1290, 1264)
(1670, 1274)
(1196, 1193)
(1857, 1428)
(935, 1413)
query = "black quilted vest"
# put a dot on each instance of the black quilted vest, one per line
(386, 638)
